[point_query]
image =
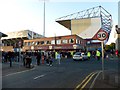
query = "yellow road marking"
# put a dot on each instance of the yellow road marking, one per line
(88, 81)
(85, 80)
(95, 80)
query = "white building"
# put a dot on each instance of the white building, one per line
(15, 39)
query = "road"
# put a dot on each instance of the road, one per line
(69, 74)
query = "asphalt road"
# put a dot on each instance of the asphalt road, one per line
(69, 74)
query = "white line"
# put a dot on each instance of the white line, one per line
(39, 76)
(94, 80)
(18, 72)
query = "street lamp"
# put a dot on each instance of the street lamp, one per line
(43, 16)
(44, 19)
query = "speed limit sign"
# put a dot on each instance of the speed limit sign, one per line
(102, 35)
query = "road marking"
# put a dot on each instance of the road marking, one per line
(18, 72)
(91, 86)
(85, 80)
(88, 80)
(39, 76)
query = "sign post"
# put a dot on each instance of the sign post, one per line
(102, 35)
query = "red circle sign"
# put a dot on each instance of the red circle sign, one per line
(102, 35)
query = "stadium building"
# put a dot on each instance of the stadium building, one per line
(87, 23)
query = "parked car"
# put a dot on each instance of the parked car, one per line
(80, 56)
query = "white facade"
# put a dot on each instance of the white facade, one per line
(21, 34)
(86, 28)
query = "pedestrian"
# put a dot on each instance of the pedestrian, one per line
(47, 59)
(116, 53)
(10, 58)
(38, 59)
(58, 58)
(24, 57)
(98, 55)
(28, 61)
(93, 54)
(51, 60)
(89, 55)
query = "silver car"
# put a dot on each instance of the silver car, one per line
(80, 56)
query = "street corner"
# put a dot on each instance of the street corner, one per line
(111, 80)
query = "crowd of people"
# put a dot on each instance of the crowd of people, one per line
(45, 57)
(27, 57)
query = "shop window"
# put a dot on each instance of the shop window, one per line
(42, 42)
(58, 41)
(33, 43)
(64, 41)
(25, 43)
(29, 43)
(77, 41)
(88, 42)
(53, 42)
(71, 40)
(48, 42)
(36, 43)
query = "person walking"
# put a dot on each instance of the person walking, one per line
(38, 59)
(47, 59)
(24, 57)
(98, 55)
(89, 55)
(10, 58)
(51, 60)
(58, 58)
(116, 53)
(28, 61)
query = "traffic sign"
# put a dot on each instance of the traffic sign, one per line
(102, 35)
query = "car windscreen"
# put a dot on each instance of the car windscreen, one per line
(78, 53)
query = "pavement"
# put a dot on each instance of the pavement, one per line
(16, 67)
(111, 81)
(111, 78)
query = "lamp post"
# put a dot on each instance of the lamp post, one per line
(44, 19)
(43, 16)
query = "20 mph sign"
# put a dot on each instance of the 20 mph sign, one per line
(102, 35)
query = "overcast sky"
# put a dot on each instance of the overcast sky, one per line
(16, 15)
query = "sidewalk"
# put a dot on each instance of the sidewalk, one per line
(16, 67)
(111, 81)
(111, 78)
(113, 57)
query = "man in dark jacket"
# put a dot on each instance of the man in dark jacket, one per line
(38, 59)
